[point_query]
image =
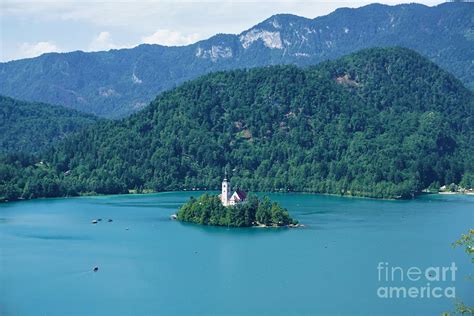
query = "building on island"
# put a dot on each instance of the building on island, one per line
(231, 199)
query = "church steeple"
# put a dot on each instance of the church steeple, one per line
(225, 194)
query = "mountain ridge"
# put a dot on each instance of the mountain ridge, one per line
(118, 82)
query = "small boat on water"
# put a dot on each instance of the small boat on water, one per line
(96, 268)
(94, 221)
(110, 220)
(174, 216)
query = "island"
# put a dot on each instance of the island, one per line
(208, 210)
(235, 210)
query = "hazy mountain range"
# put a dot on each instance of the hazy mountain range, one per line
(118, 82)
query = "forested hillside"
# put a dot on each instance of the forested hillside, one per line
(119, 82)
(33, 127)
(378, 123)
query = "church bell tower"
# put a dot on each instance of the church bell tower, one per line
(225, 194)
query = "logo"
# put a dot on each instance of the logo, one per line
(416, 282)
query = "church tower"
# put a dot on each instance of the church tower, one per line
(225, 194)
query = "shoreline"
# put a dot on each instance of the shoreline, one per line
(173, 217)
(274, 226)
(270, 192)
(456, 193)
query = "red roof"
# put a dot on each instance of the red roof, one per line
(241, 194)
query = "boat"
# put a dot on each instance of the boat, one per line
(94, 221)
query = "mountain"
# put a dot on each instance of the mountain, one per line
(118, 82)
(33, 127)
(378, 123)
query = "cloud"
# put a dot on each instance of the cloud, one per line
(103, 41)
(27, 50)
(165, 22)
(171, 38)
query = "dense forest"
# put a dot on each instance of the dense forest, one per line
(32, 127)
(208, 210)
(378, 123)
(115, 83)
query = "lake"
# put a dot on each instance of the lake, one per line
(49, 247)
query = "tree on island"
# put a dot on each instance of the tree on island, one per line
(467, 242)
(208, 210)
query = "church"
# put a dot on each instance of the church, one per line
(231, 199)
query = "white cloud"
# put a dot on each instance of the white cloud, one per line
(27, 50)
(103, 41)
(171, 38)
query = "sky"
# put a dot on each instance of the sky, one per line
(31, 28)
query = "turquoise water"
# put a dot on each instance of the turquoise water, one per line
(162, 267)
